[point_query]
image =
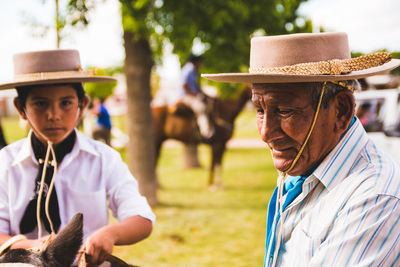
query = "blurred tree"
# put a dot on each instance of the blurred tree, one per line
(73, 16)
(396, 71)
(222, 29)
(101, 90)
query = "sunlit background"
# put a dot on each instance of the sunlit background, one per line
(370, 24)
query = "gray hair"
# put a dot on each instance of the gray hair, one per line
(331, 90)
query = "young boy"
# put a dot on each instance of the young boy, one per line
(89, 176)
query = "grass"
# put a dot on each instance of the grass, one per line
(12, 129)
(245, 124)
(196, 227)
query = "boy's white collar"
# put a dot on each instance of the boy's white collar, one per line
(26, 150)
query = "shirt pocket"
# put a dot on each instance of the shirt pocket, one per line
(299, 248)
(93, 206)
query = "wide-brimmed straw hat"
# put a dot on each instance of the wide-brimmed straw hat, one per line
(50, 67)
(306, 57)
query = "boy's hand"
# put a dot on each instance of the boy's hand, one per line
(101, 243)
(98, 246)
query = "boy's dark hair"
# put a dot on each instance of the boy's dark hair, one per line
(23, 92)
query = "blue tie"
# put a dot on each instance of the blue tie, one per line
(292, 187)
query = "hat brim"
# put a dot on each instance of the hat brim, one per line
(60, 80)
(292, 78)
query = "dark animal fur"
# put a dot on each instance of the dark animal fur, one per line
(60, 252)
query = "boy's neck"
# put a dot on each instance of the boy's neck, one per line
(61, 149)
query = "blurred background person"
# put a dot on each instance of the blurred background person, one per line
(192, 95)
(102, 130)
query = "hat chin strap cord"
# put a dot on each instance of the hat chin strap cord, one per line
(53, 162)
(281, 179)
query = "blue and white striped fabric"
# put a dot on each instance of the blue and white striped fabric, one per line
(348, 213)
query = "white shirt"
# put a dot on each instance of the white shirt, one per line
(90, 178)
(348, 213)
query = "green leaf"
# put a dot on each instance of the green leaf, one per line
(100, 90)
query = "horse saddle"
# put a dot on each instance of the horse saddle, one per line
(181, 110)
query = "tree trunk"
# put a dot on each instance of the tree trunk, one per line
(191, 158)
(141, 152)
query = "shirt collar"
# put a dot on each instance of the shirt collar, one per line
(26, 151)
(81, 144)
(337, 164)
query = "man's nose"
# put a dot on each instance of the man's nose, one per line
(269, 128)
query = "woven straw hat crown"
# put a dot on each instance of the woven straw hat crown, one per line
(306, 57)
(50, 66)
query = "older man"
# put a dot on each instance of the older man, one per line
(337, 202)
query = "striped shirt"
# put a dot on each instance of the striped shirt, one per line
(348, 212)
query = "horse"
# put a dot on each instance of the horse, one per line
(61, 251)
(181, 125)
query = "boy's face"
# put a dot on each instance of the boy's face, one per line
(52, 111)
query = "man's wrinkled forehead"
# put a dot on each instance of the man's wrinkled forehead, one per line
(282, 93)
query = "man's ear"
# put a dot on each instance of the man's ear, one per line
(344, 110)
(20, 109)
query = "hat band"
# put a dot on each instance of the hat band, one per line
(52, 75)
(330, 67)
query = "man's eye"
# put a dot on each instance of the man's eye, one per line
(284, 111)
